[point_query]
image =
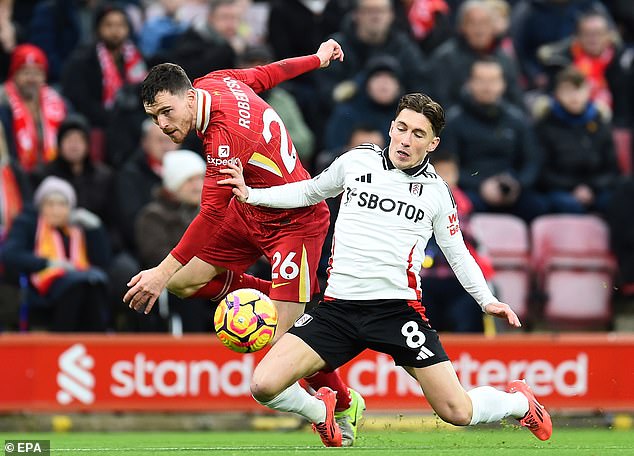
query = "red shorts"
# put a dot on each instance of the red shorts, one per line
(290, 239)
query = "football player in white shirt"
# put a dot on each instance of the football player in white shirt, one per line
(392, 203)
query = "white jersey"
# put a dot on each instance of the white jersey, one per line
(385, 220)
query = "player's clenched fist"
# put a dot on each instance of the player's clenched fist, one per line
(328, 51)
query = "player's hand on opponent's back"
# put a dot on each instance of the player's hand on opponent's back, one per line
(145, 289)
(328, 51)
(236, 179)
(501, 310)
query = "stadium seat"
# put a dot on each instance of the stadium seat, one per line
(575, 269)
(504, 238)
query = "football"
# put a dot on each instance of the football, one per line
(245, 320)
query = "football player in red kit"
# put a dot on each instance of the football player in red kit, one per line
(236, 124)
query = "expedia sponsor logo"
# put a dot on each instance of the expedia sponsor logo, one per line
(372, 201)
(303, 320)
(220, 161)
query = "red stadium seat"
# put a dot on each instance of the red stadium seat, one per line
(575, 269)
(505, 240)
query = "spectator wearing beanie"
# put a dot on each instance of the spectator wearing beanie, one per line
(161, 224)
(30, 110)
(62, 249)
(92, 181)
(371, 99)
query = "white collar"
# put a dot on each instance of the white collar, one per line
(203, 109)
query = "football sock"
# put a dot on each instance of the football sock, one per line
(295, 399)
(490, 404)
(333, 381)
(229, 281)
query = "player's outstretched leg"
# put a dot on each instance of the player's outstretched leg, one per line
(348, 419)
(537, 419)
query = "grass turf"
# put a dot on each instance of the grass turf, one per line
(471, 442)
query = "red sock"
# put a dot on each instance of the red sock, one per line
(229, 281)
(333, 381)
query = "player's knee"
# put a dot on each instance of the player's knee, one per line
(261, 389)
(455, 414)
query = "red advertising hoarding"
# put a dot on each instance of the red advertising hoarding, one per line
(49, 372)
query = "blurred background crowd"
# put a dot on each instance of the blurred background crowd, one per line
(539, 97)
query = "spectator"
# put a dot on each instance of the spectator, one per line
(30, 110)
(200, 50)
(451, 62)
(94, 74)
(538, 22)
(429, 22)
(374, 99)
(596, 52)
(161, 31)
(575, 136)
(359, 133)
(162, 222)
(92, 181)
(368, 32)
(138, 179)
(10, 36)
(55, 29)
(284, 104)
(498, 153)
(502, 25)
(15, 189)
(448, 305)
(63, 251)
(298, 27)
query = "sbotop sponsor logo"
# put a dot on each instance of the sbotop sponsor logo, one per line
(74, 378)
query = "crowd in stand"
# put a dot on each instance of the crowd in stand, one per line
(538, 94)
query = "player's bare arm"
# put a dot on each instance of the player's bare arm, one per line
(147, 285)
(328, 51)
(236, 179)
(501, 310)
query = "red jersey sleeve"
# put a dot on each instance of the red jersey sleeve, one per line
(265, 77)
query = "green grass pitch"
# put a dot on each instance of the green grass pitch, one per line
(470, 442)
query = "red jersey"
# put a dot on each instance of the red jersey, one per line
(235, 123)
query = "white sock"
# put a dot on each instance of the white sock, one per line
(490, 404)
(295, 399)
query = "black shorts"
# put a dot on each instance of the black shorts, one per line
(338, 330)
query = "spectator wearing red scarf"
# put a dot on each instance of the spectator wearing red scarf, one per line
(94, 75)
(596, 51)
(30, 110)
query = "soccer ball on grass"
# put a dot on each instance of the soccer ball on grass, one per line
(245, 320)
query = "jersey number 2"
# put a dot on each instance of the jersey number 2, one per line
(289, 158)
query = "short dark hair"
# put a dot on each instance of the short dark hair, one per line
(165, 77)
(570, 75)
(423, 104)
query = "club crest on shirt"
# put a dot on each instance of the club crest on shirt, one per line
(223, 151)
(416, 188)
